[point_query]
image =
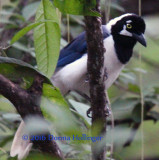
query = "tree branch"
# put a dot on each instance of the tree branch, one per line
(96, 80)
(28, 103)
(129, 120)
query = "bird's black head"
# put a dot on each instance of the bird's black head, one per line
(128, 27)
(126, 31)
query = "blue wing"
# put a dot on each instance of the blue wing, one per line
(76, 49)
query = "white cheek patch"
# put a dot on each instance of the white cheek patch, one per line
(125, 32)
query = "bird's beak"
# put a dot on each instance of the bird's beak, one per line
(140, 38)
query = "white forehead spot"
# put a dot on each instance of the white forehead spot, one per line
(115, 20)
(129, 21)
(125, 32)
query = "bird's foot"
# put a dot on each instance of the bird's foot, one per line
(89, 112)
(105, 74)
(107, 111)
(87, 78)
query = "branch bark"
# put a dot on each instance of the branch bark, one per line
(96, 80)
(27, 103)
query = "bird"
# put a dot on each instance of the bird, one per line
(120, 35)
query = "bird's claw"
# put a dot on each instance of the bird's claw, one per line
(105, 74)
(87, 78)
(107, 112)
(88, 112)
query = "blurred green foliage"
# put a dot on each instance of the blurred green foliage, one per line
(80, 7)
(67, 115)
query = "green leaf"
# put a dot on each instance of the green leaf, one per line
(134, 88)
(37, 156)
(25, 30)
(136, 113)
(6, 105)
(123, 107)
(81, 109)
(54, 95)
(47, 38)
(77, 7)
(155, 115)
(16, 70)
(56, 109)
(12, 117)
(140, 70)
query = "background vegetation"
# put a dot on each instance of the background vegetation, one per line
(137, 82)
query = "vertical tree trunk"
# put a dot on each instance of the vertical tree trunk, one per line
(96, 79)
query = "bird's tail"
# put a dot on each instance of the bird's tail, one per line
(19, 146)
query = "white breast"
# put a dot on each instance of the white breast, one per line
(112, 64)
(73, 76)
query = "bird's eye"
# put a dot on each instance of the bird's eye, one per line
(129, 26)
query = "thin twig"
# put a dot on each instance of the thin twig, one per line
(142, 97)
(68, 28)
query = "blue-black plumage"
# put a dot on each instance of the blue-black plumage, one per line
(76, 49)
